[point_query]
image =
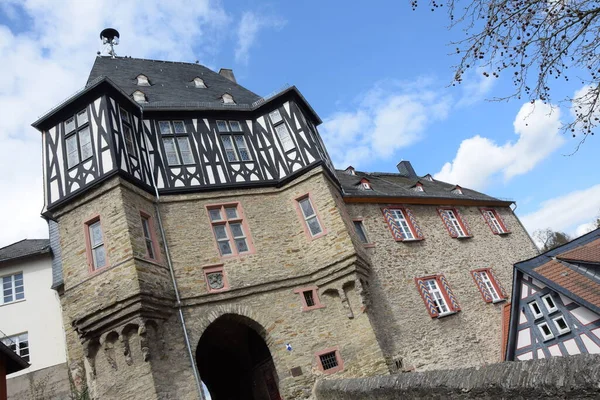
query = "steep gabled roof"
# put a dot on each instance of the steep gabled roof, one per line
(171, 82)
(24, 248)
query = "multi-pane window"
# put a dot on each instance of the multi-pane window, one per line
(490, 288)
(176, 142)
(440, 304)
(148, 236)
(12, 288)
(457, 227)
(275, 117)
(309, 298)
(127, 132)
(97, 249)
(310, 216)
(328, 360)
(229, 229)
(284, 137)
(401, 221)
(360, 231)
(489, 285)
(236, 148)
(19, 344)
(494, 221)
(78, 140)
(455, 222)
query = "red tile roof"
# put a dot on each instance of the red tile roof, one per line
(576, 283)
(587, 253)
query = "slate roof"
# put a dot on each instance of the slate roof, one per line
(398, 185)
(24, 248)
(171, 82)
(571, 269)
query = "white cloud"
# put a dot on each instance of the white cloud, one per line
(570, 213)
(250, 24)
(51, 60)
(479, 160)
(389, 117)
(475, 87)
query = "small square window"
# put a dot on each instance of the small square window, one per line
(330, 360)
(275, 116)
(70, 125)
(536, 310)
(165, 127)
(545, 331)
(561, 325)
(222, 126)
(549, 303)
(82, 117)
(215, 214)
(309, 298)
(235, 126)
(179, 126)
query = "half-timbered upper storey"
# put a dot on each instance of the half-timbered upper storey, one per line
(177, 127)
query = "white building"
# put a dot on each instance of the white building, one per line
(30, 313)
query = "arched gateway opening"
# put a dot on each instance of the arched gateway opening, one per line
(235, 362)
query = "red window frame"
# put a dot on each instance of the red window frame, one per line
(411, 221)
(483, 290)
(155, 248)
(315, 296)
(459, 218)
(241, 218)
(501, 222)
(88, 244)
(338, 357)
(445, 290)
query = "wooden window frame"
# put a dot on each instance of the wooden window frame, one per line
(304, 219)
(315, 296)
(88, 243)
(176, 136)
(153, 239)
(459, 218)
(235, 146)
(241, 218)
(338, 357)
(497, 228)
(13, 288)
(78, 128)
(210, 269)
(414, 230)
(499, 290)
(446, 292)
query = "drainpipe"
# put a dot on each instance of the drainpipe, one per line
(170, 264)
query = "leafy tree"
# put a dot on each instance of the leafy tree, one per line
(534, 42)
(550, 239)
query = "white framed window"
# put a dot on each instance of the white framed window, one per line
(78, 140)
(275, 116)
(455, 223)
(222, 126)
(19, 344)
(437, 296)
(549, 303)
(360, 231)
(13, 288)
(402, 222)
(284, 137)
(366, 185)
(142, 80)
(227, 99)
(310, 216)
(535, 309)
(177, 144)
(545, 331)
(487, 281)
(419, 188)
(494, 221)
(96, 245)
(561, 325)
(199, 83)
(229, 229)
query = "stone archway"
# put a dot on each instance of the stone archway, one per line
(235, 362)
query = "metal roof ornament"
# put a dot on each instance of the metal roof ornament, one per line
(110, 37)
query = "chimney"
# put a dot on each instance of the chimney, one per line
(227, 73)
(406, 170)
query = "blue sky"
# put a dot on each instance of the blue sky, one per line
(377, 73)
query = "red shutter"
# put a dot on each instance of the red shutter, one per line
(393, 225)
(501, 221)
(413, 221)
(488, 221)
(499, 286)
(485, 293)
(463, 221)
(429, 304)
(447, 222)
(453, 303)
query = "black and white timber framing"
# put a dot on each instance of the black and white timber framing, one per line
(147, 164)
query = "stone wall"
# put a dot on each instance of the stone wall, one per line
(404, 328)
(51, 382)
(574, 377)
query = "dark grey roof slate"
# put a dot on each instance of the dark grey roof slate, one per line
(397, 185)
(171, 82)
(24, 248)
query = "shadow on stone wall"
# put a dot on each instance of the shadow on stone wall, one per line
(576, 377)
(50, 383)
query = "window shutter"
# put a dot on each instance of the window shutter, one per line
(394, 228)
(485, 293)
(498, 284)
(426, 297)
(447, 222)
(417, 231)
(489, 222)
(453, 302)
(501, 220)
(464, 222)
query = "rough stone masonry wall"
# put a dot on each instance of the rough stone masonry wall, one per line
(403, 326)
(573, 377)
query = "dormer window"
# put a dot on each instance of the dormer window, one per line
(142, 80)
(457, 190)
(365, 184)
(227, 99)
(350, 170)
(428, 177)
(418, 187)
(139, 96)
(199, 83)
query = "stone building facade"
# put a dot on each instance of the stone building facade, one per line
(205, 235)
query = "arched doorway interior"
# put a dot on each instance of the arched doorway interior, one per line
(235, 362)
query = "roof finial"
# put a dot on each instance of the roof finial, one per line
(110, 36)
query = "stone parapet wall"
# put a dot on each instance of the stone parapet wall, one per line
(573, 377)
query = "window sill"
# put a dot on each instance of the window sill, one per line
(305, 309)
(464, 237)
(12, 302)
(411, 240)
(503, 233)
(498, 301)
(446, 314)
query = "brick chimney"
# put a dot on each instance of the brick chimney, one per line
(406, 169)
(227, 73)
